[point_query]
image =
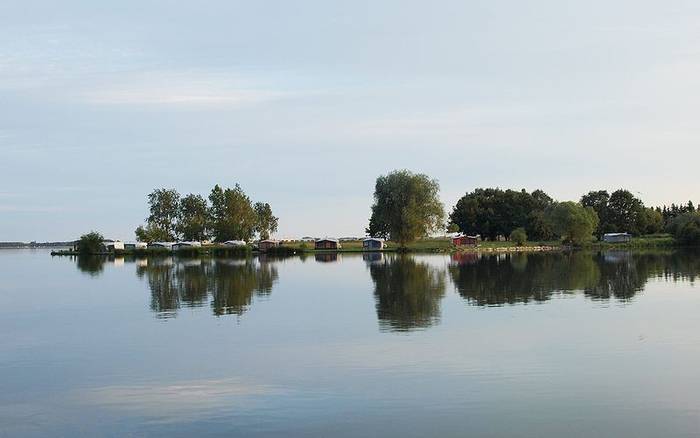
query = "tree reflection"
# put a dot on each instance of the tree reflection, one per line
(229, 285)
(91, 265)
(407, 292)
(487, 280)
(235, 284)
(521, 278)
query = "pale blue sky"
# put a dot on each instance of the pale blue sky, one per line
(304, 103)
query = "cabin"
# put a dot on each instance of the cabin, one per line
(617, 237)
(235, 243)
(113, 245)
(186, 245)
(327, 243)
(135, 245)
(161, 245)
(372, 244)
(266, 244)
(466, 240)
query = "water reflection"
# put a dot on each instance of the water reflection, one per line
(229, 285)
(407, 292)
(408, 289)
(488, 280)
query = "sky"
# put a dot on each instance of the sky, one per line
(305, 103)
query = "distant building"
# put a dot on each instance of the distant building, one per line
(466, 240)
(617, 237)
(135, 245)
(161, 245)
(266, 244)
(372, 243)
(235, 243)
(113, 245)
(184, 245)
(327, 243)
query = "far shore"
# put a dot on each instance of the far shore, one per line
(428, 245)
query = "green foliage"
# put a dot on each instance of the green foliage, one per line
(266, 221)
(652, 221)
(231, 214)
(406, 207)
(151, 233)
(452, 228)
(686, 228)
(192, 219)
(90, 243)
(574, 223)
(519, 236)
(620, 211)
(496, 212)
(164, 207)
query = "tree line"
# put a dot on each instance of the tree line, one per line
(227, 214)
(407, 206)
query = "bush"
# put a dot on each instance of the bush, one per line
(686, 229)
(90, 243)
(518, 236)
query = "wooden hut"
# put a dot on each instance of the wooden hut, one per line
(327, 243)
(266, 244)
(372, 244)
(466, 240)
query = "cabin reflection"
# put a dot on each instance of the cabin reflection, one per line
(327, 257)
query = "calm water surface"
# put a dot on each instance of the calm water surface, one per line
(576, 345)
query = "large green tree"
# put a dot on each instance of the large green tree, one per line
(164, 205)
(406, 207)
(494, 212)
(620, 211)
(192, 219)
(625, 212)
(573, 222)
(231, 214)
(266, 221)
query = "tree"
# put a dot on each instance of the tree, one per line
(192, 219)
(495, 212)
(231, 214)
(518, 236)
(598, 201)
(151, 233)
(652, 221)
(686, 228)
(266, 221)
(573, 222)
(90, 243)
(406, 206)
(452, 228)
(164, 206)
(625, 212)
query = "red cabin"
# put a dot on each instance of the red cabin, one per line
(466, 240)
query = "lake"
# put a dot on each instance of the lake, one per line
(341, 345)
